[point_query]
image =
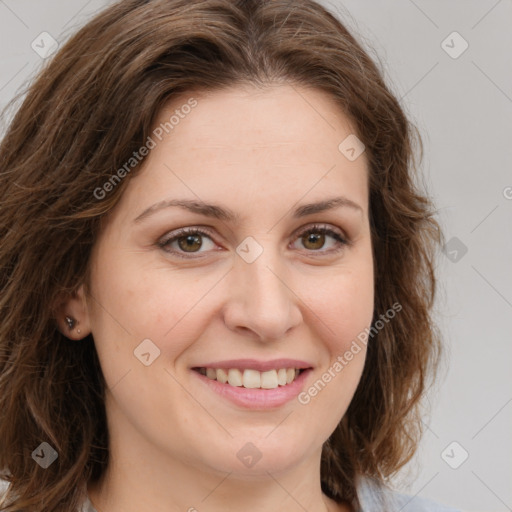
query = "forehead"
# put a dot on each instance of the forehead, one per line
(279, 143)
(248, 116)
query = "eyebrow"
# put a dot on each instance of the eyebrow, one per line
(222, 213)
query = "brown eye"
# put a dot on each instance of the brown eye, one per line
(314, 239)
(189, 243)
(186, 241)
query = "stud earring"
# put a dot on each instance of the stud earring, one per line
(71, 324)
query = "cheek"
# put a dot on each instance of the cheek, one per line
(135, 302)
(345, 304)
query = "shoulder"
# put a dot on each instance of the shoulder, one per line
(4, 484)
(85, 507)
(374, 496)
(407, 503)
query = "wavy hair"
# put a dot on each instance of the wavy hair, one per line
(84, 115)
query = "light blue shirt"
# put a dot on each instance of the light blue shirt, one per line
(374, 497)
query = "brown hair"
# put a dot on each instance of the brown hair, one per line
(92, 106)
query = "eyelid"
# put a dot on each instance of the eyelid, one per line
(333, 231)
(329, 229)
(322, 227)
(184, 231)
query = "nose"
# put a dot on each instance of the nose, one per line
(261, 298)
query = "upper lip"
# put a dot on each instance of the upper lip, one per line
(254, 364)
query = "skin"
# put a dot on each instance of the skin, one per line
(261, 153)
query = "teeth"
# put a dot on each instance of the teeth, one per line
(234, 377)
(252, 379)
(269, 380)
(221, 375)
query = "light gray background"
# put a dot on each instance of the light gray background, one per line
(463, 107)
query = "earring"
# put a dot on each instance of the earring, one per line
(71, 324)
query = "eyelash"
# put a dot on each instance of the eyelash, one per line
(325, 230)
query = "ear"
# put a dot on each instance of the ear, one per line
(74, 307)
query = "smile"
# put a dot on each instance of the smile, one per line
(253, 383)
(250, 378)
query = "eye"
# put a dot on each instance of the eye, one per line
(314, 238)
(186, 242)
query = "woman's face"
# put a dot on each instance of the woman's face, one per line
(262, 290)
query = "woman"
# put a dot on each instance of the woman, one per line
(216, 268)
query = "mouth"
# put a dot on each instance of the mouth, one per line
(252, 383)
(250, 378)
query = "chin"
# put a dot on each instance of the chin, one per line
(255, 459)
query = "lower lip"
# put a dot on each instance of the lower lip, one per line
(257, 398)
